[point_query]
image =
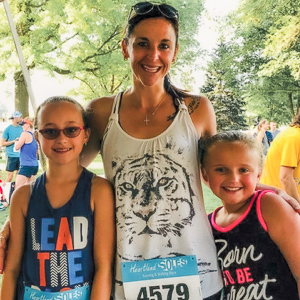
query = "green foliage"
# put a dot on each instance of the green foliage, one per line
(280, 20)
(263, 57)
(228, 105)
(81, 39)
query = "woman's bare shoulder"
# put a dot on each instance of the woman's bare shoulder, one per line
(202, 114)
(100, 110)
(101, 103)
(196, 102)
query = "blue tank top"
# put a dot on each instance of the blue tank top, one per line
(252, 264)
(28, 153)
(58, 250)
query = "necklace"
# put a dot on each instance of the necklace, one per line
(147, 120)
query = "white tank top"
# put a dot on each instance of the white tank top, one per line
(159, 203)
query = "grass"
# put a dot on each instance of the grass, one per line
(210, 200)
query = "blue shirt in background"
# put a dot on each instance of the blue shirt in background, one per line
(10, 133)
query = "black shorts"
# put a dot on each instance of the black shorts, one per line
(12, 164)
(28, 171)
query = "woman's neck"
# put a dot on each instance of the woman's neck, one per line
(146, 97)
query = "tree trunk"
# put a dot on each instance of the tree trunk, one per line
(21, 94)
(291, 104)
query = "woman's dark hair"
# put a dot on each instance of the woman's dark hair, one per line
(156, 13)
(58, 99)
(230, 137)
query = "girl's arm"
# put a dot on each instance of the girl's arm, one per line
(18, 211)
(102, 202)
(284, 229)
(21, 141)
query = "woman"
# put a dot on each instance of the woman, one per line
(261, 135)
(151, 158)
(28, 154)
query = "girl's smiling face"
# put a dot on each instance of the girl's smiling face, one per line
(232, 171)
(60, 115)
(151, 48)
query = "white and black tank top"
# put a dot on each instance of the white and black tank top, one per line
(159, 203)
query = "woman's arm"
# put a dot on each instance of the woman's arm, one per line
(100, 110)
(260, 136)
(21, 141)
(18, 211)
(290, 200)
(284, 229)
(202, 115)
(286, 176)
(102, 202)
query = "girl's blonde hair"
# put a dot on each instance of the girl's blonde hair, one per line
(230, 137)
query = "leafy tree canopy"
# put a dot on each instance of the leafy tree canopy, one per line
(81, 39)
(262, 64)
(228, 105)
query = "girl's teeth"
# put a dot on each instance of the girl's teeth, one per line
(232, 189)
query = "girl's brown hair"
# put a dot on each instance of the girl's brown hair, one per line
(58, 99)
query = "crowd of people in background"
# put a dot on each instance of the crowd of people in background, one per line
(21, 151)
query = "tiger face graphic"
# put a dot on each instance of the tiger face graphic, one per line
(154, 206)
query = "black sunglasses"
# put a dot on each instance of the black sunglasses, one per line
(53, 133)
(143, 8)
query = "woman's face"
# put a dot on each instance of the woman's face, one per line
(151, 49)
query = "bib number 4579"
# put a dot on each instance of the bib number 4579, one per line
(164, 292)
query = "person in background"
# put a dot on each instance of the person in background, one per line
(256, 233)
(28, 147)
(282, 165)
(260, 134)
(273, 130)
(3, 202)
(269, 137)
(62, 226)
(9, 136)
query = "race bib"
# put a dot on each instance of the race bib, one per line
(172, 278)
(82, 293)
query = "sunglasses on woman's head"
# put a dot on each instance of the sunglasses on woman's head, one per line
(53, 133)
(143, 8)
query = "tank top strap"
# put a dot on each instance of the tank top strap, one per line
(116, 106)
(181, 104)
